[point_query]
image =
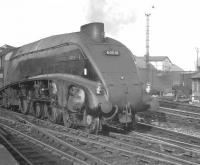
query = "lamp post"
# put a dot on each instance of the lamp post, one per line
(197, 51)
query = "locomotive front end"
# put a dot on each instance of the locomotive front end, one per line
(120, 83)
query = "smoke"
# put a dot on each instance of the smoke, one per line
(112, 14)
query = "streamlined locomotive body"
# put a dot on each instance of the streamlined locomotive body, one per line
(83, 79)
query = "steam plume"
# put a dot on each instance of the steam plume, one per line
(110, 13)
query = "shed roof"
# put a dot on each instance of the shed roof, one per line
(158, 58)
(174, 67)
(141, 63)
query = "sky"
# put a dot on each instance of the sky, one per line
(174, 24)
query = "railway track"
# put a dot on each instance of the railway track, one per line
(179, 109)
(171, 119)
(134, 145)
(182, 117)
(139, 147)
(28, 152)
(18, 155)
(110, 154)
(183, 139)
(184, 120)
(33, 136)
(179, 112)
(180, 106)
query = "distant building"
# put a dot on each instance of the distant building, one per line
(163, 74)
(141, 63)
(160, 63)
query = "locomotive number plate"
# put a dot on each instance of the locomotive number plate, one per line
(112, 53)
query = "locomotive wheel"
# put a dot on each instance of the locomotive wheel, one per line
(24, 106)
(67, 121)
(134, 123)
(92, 124)
(53, 114)
(37, 109)
(45, 109)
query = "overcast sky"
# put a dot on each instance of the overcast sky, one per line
(174, 24)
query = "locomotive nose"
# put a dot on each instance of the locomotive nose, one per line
(122, 102)
(123, 92)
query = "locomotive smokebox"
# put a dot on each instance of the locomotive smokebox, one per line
(94, 30)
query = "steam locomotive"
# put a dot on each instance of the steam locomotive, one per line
(81, 79)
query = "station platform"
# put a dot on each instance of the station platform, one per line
(6, 158)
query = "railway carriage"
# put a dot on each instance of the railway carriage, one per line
(82, 79)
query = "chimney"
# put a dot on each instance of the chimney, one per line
(94, 30)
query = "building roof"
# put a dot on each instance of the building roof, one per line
(158, 58)
(5, 49)
(196, 76)
(141, 62)
(174, 67)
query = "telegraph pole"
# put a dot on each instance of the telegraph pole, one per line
(147, 48)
